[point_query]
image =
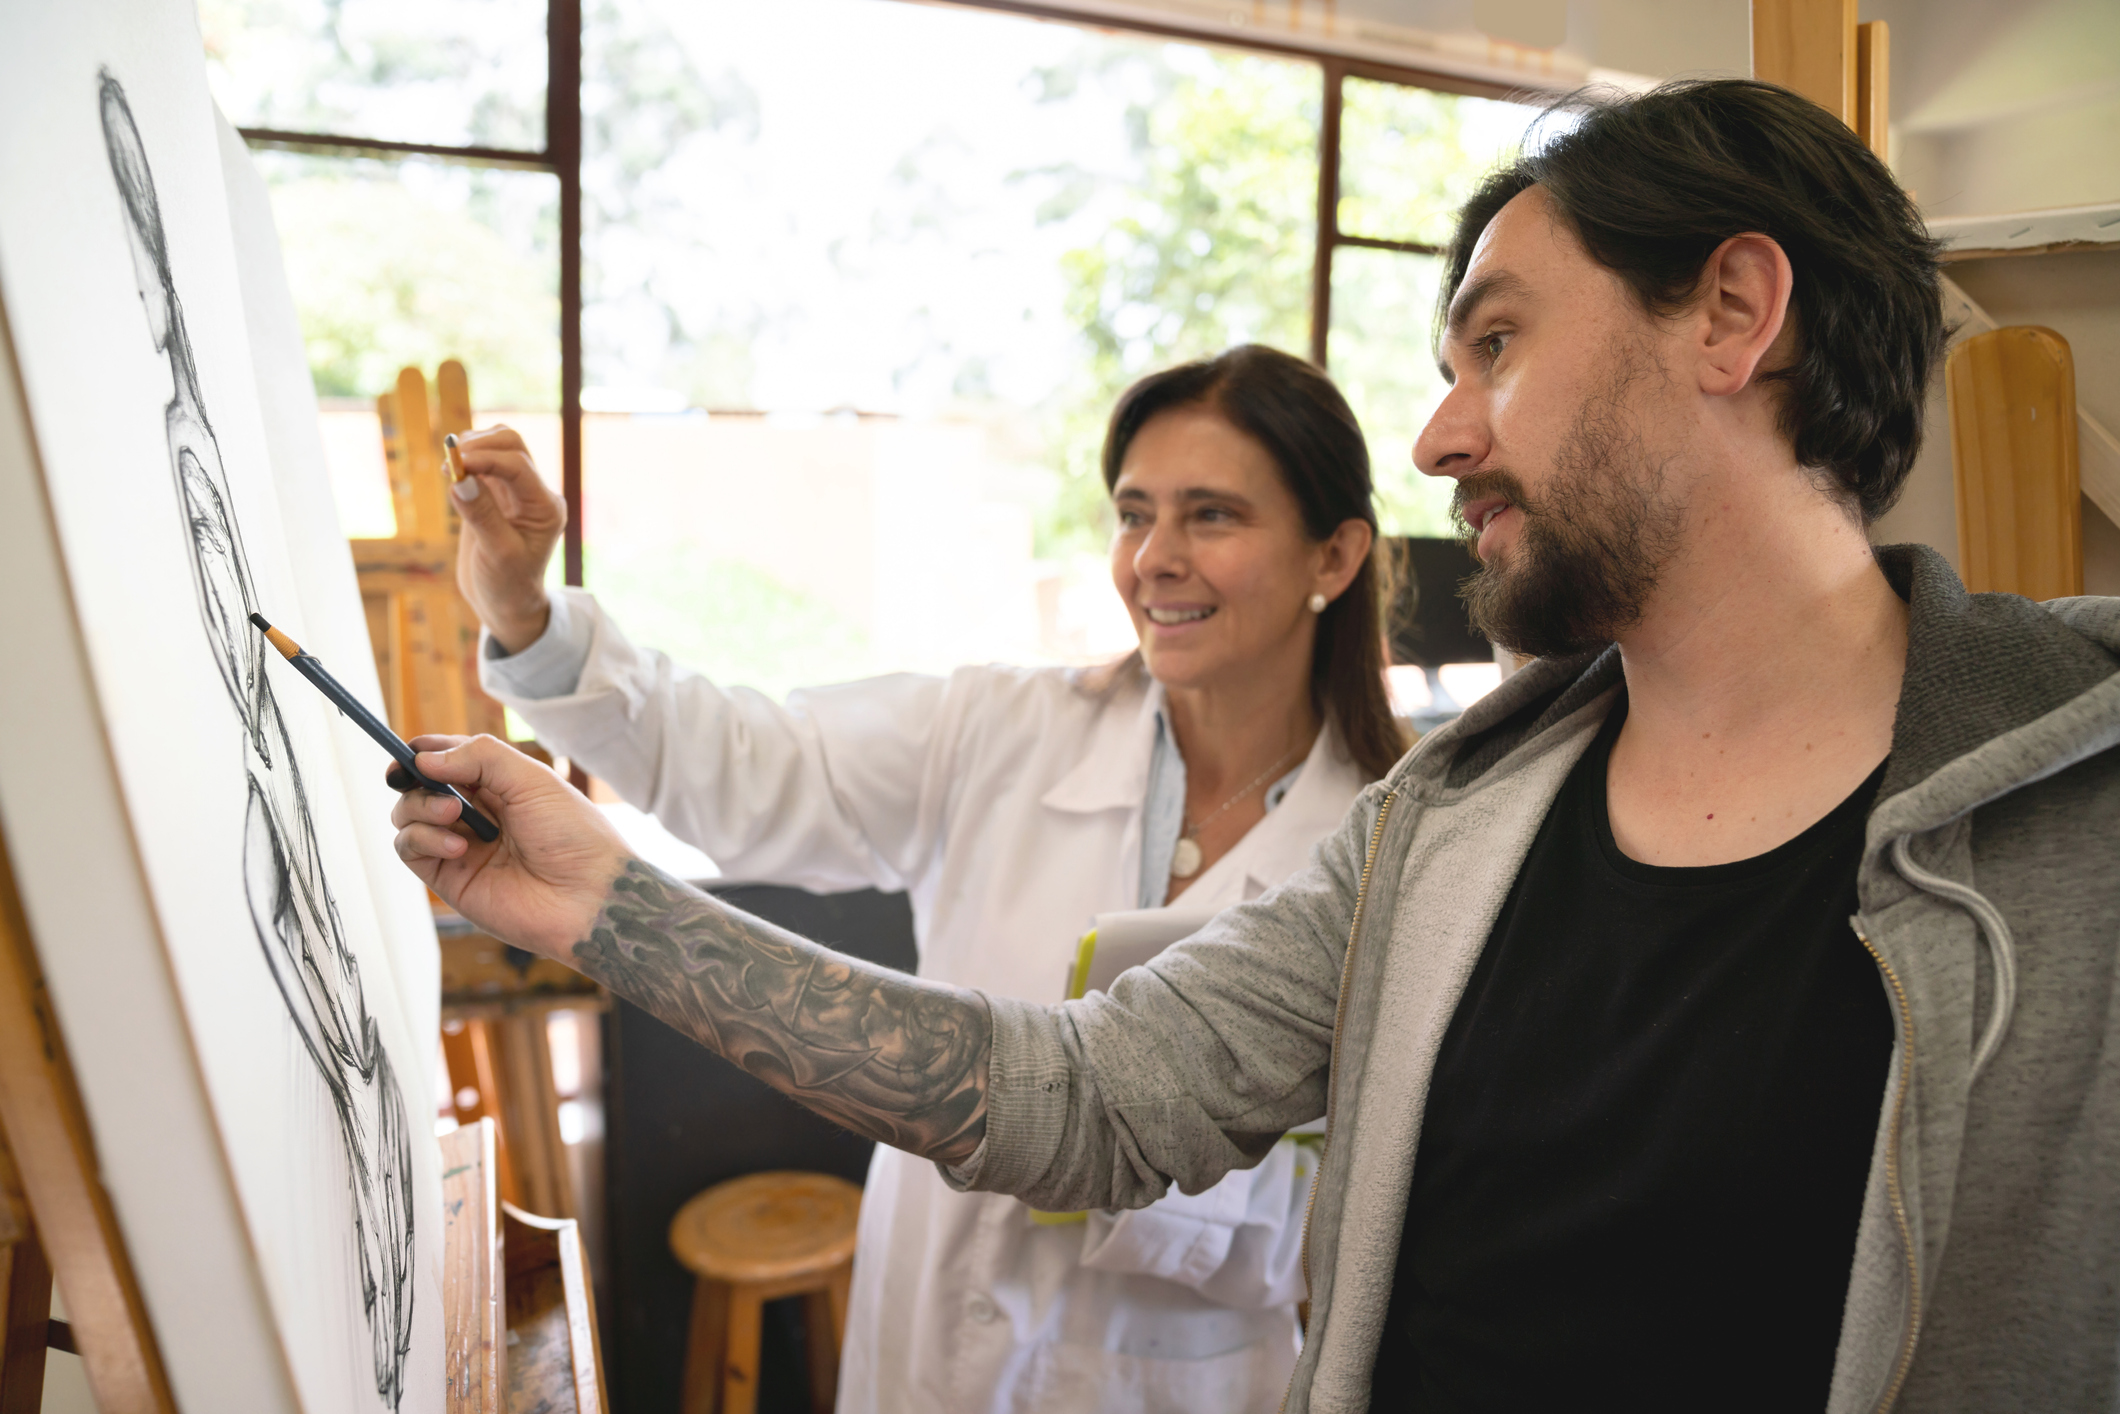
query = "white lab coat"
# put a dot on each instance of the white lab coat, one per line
(1007, 802)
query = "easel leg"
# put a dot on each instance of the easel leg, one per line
(522, 1061)
(25, 1316)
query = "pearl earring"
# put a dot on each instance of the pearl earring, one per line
(1317, 603)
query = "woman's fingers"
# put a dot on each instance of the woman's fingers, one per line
(500, 437)
(514, 467)
(512, 522)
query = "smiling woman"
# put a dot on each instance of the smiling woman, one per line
(1247, 555)
(1013, 805)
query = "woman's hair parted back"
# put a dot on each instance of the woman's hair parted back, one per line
(1294, 412)
(1652, 183)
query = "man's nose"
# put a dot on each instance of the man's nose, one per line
(1456, 439)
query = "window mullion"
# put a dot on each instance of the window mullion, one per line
(1328, 213)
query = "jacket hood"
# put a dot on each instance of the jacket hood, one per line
(1979, 667)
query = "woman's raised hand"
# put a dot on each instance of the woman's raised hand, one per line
(512, 521)
(539, 885)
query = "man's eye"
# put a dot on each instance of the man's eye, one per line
(1492, 345)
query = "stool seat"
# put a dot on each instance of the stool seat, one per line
(751, 1240)
(767, 1228)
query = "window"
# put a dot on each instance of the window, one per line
(818, 308)
(897, 280)
(1408, 158)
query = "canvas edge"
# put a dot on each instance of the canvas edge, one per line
(157, 1140)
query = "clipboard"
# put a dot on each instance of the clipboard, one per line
(1117, 941)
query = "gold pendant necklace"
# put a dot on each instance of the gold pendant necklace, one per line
(1186, 858)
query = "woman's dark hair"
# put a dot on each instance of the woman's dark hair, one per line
(1652, 184)
(1294, 412)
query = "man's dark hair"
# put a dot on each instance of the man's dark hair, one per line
(1652, 184)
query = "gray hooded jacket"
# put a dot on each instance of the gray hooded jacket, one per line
(1986, 1271)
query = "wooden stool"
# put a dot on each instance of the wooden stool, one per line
(750, 1240)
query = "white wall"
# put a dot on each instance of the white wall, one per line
(2004, 107)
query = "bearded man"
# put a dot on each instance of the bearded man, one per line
(1719, 1014)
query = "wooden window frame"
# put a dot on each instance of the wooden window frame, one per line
(562, 154)
(1330, 236)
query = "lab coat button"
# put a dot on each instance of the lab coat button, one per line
(981, 1308)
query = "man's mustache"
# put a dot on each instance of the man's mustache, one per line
(1483, 486)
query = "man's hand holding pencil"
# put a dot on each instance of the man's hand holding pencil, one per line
(539, 885)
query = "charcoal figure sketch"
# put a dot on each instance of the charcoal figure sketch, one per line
(291, 905)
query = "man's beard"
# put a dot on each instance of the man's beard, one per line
(1592, 545)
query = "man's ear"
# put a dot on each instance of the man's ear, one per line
(1743, 313)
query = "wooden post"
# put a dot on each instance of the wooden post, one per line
(2013, 452)
(472, 1262)
(1808, 46)
(469, 1053)
(25, 1297)
(530, 1113)
(1328, 225)
(1873, 87)
(46, 1131)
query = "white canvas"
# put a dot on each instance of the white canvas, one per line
(295, 1025)
(333, 625)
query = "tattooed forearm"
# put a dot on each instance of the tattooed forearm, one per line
(889, 1056)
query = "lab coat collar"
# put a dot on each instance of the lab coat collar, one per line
(1113, 775)
(1113, 772)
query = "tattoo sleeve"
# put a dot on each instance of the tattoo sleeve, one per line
(889, 1056)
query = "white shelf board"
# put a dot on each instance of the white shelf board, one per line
(2028, 232)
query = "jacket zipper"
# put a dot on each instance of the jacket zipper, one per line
(1892, 1176)
(1339, 1016)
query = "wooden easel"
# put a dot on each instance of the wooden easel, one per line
(518, 1314)
(2014, 458)
(1816, 48)
(2012, 391)
(424, 634)
(56, 1221)
(516, 1303)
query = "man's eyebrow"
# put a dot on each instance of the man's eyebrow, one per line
(1500, 284)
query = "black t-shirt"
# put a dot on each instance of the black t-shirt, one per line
(1648, 1132)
